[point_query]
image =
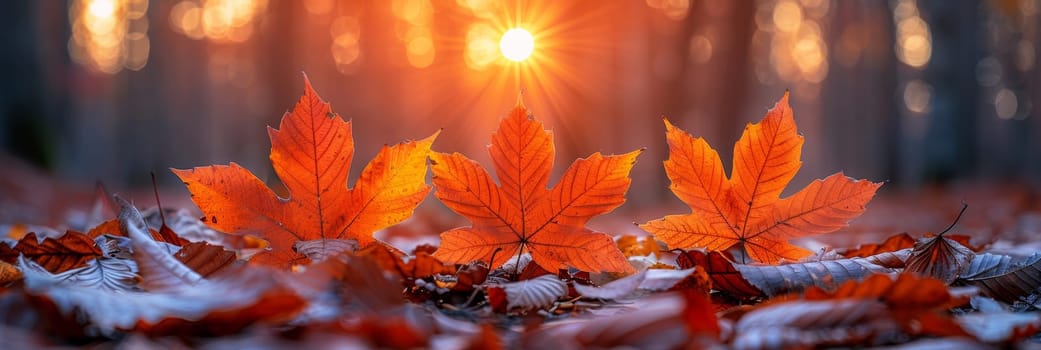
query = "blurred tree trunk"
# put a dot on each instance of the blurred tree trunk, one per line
(860, 110)
(25, 129)
(948, 143)
(706, 98)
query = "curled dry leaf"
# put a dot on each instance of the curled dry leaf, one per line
(522, 215)
(106, 274)
(664, 321)
(939, 257)
(471, 275)
(746, 209)
(893, 243)
(359, 282)
(225, 305)
(743, 280)
(204, 258)
(188, 226)
(422, 265)
(694, 278)
(919, 304)
(877, 310)
(159, 270)
(806, 324)
(535, 293)
(1004, 278)
(995, 324)
(723, 273)
(71, 250)
(616, 289)
(311, 152)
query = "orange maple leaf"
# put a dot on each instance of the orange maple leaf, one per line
(311, 152)
(746, 209)
(522, 215)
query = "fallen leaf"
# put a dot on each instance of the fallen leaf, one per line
(106, 274)
(809, 324)
(205, 259)
(421, 265)
(311, 152)
(875, 311)
(665, 321)
(616, 289)
(891, 244)
(939, 257)
(746, 210)
(535, 293)
(695, 279)
(71, 250)
(522, 216)
(470, 275)
(188, 226)
(1003, 278)
(159, 270)
(995, 324)
(919, 304)
(724, 274)
(746, 280)
(225, 305)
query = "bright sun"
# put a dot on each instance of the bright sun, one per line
(517, 44)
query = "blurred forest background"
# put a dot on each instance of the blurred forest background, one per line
(913, 92)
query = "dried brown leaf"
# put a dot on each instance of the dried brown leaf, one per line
(995, 324)
(224, 305)
(616, 289)
(71, 250)
(939, 257)
(743, 280)
(159, 270)
(1004, 278)
(891, 244)
(535, 293)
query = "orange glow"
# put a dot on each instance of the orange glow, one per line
(217, 20)
(913, 40)
(346, 49)
(481, 48)
(414, 23)
(673, 9)
(517, 44)
(798, 51)
(109, 35)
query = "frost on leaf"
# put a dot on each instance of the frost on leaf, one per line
(159, 269)
(615, 289)
(535, 293)
(228, 301)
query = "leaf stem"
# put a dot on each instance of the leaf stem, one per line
(964, 206)
(158, 203)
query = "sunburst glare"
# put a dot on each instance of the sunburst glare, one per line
(517, 44)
